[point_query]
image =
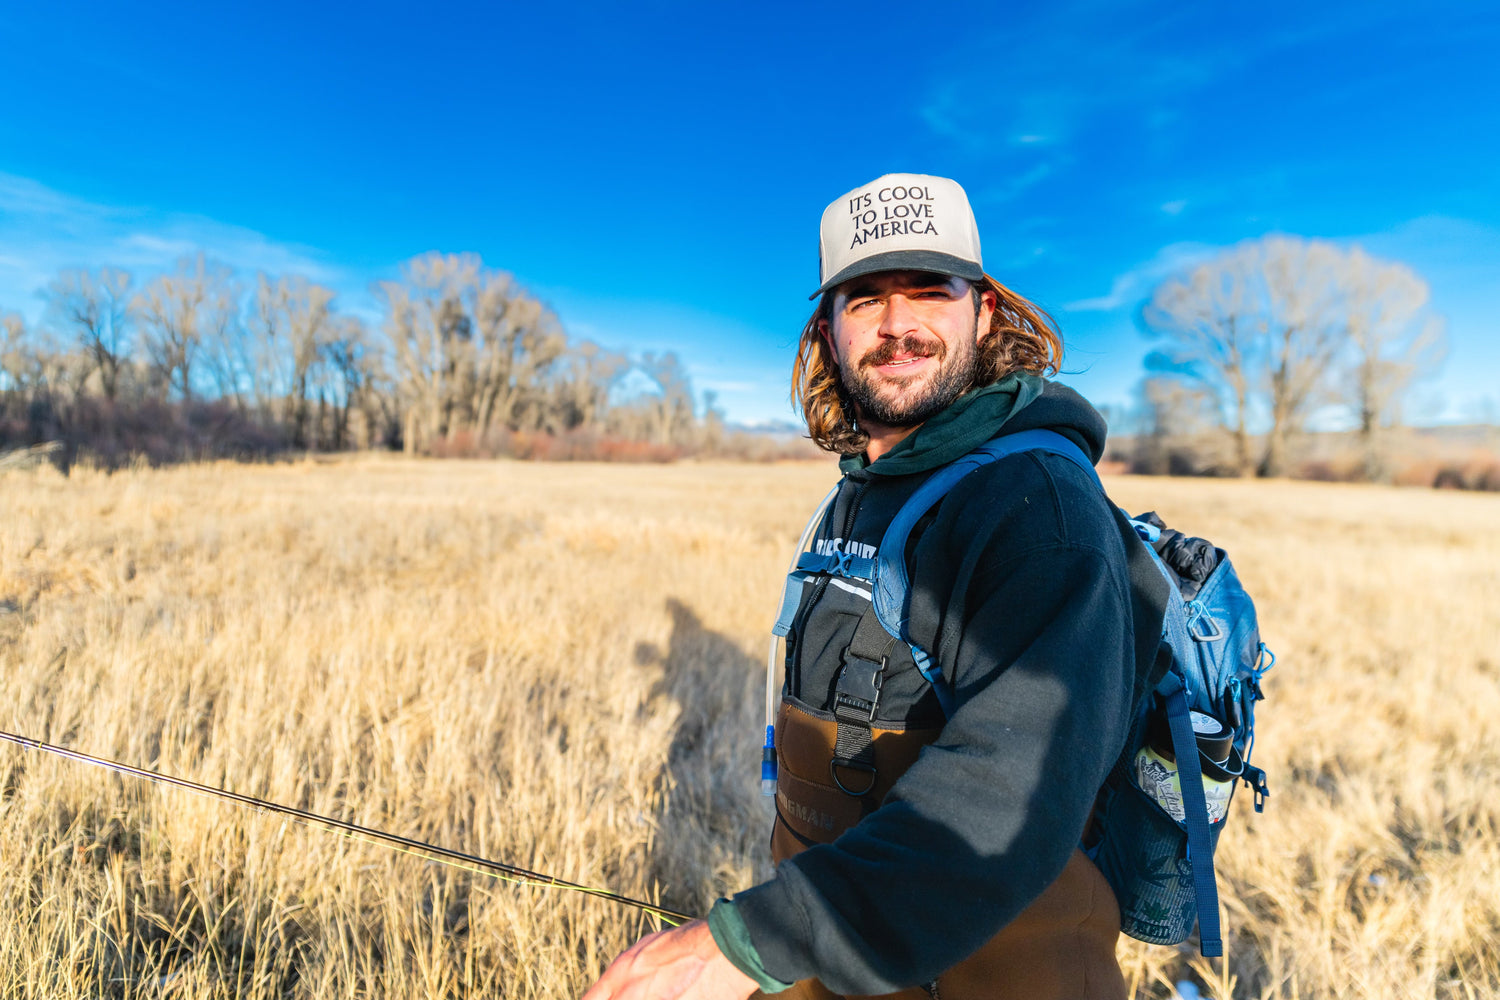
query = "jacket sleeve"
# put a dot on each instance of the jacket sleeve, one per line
(1038, 641)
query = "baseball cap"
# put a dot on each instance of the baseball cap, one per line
(899, 222)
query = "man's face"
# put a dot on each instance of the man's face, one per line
(905, 342)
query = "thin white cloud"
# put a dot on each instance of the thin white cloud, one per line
(1134, 285)
(44, 231)
(1459, 253)
(1442, 242)
(1041, 92)
(1012, 187)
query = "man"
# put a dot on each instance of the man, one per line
(924, 851)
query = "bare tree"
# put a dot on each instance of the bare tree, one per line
(1261, 318)
(470, 346)
(35, 366)
(664, 414)
(96, 307)
(177, 311)
(1299, 291)
(712, 432)
(1393, 341)
(1174, 417)
(426, 326)
(294, 323)
(579, 399)
(1208, 318)
(517, 339)
(40, 381)
(223, 347)
(353, 369)
(17, 368)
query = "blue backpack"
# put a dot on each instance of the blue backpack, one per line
(1156, 820)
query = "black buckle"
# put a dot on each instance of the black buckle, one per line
(858, 690)
(856, 695)
(1256, 779)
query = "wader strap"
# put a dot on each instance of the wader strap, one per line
(1195, 817)
(856, 695)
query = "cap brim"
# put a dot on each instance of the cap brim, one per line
(906, 260)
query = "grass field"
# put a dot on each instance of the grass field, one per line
(559, 666)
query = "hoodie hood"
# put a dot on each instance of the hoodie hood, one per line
(1019, 402)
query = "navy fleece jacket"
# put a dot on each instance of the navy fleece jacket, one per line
(1044, 613)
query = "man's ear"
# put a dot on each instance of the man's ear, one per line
(988, 303)
(825, 330)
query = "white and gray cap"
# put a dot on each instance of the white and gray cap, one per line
(899, 222)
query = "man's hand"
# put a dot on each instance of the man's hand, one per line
(680, 964)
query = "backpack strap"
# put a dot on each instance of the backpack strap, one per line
(810, 564)
(844, 564)
(892, 582)
(1195, 814)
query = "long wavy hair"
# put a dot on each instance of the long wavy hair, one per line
(1022, 337)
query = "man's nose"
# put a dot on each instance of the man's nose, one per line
(900, 317)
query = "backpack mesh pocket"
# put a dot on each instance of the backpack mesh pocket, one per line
(1143, 854)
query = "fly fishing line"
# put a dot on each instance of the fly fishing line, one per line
(406, 845)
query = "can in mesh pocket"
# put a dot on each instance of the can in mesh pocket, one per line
(1143, 854)
(1156, 775)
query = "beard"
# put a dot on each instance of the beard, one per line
(905, 402)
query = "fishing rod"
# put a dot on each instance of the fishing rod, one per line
(432, 852)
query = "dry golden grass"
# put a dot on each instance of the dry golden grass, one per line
(558, 666)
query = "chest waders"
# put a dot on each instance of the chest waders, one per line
(1061, 947)
(831, 768)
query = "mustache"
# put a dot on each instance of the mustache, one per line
(910, 345)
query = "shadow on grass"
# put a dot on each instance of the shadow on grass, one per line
(713, 827)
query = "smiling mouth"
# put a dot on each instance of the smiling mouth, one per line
(896, 355)
(899, 360)
(897, 367)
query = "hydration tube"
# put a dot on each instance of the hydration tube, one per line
(773, 675)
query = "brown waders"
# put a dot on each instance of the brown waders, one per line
(1061, 947)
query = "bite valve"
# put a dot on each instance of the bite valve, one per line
(768, 763)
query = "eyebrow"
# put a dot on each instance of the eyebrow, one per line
(918, 280)
(859, 291)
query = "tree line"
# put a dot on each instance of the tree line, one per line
(1252, 347)
(462, 360)
(1256, 342)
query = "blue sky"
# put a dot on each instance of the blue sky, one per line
(657, 171)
